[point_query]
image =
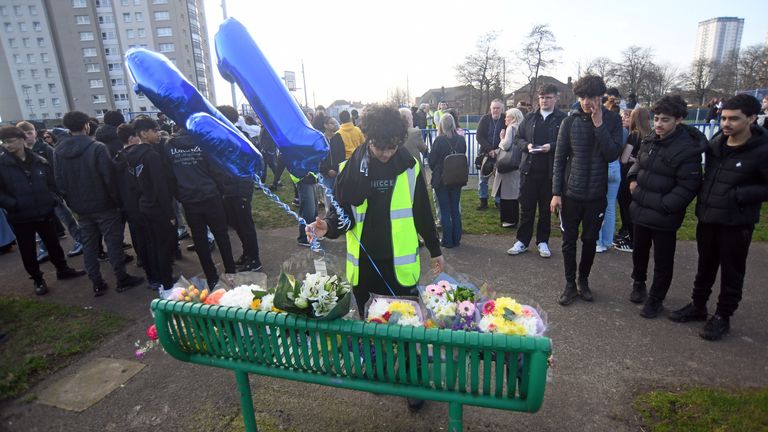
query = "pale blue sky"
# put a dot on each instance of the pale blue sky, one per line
(363, 50)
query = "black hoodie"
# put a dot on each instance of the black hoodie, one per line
(353, 187)
(107, 134)
(735, 180)
(668, 175)
(146, 165)
(197, 177)
(27, 190)
(85, 175)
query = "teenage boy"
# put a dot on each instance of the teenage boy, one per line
(588, 140)
(663, 181)
(728, 207)
(537, 137)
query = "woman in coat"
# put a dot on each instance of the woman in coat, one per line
(448, 197)
(506, 186)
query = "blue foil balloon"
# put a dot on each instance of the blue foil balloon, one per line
(242, 62)
(226, 146)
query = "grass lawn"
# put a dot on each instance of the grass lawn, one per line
(703, 410)
(267, 214)
(37, 344)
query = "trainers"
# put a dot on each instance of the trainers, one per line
(41, 288)
(42, 256)
(62, 235)
(99, 289)
(77, 249)
(638, 293)
(601, 249)
(569, 294)
(252, 265)
(483, 204)
(303, 243)
(544, 251)
(517, 248)
(69, 273)
(715, 328)
(242, 260)
(584, 291)
(103, 256)
(688, 313)
(652, 307)
(182, 233)
(508, 225)
(127, 282)
(624, 245)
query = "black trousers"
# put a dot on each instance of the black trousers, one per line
(240, 217)
(25, 239)
(201, 216)
(276, 165)
(163, 239)
(142, 242)
(624, 198)
(369, 282)
(726, 247)
(535, 191)
(509, 211)
(664, 243)
(588, 214)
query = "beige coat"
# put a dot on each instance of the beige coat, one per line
(508, 183)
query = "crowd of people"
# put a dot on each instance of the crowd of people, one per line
(605, 153)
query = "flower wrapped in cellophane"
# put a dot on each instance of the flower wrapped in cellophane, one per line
(505, 315)
(318, 296)
(394, 310)
(451, 305)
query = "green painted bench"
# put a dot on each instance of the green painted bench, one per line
(457, 367)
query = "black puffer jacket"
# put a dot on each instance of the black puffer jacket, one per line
(85, 175)
(27, 190)
(107, 134)
(582, 155)
(735, 182)
(526, 132)
(44, 150)
(668, 175)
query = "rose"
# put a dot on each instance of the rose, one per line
(152, 332)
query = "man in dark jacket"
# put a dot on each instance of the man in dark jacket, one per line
(28, 194)
(199, 185)
(85, 176)
(663, 181)
(488, 138)
(588, 140)
(728, 207)
(107, 133)
(537, 138)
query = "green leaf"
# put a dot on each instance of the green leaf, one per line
(509, 315)
(257, 294)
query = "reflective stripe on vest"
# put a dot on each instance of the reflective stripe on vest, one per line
(405, 241)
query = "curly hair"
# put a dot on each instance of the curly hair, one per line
(589, 86)
(673, 105)
(383, 127)
(749, 105)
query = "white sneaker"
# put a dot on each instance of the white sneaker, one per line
(600, 249)
(517, 249)
(544, 251)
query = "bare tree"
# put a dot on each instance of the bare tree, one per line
(600, 66)
(702, 77)
(483, 70)
(538, 54)
(632, 70)
(399, 97)
(661, 78)
(753, 67)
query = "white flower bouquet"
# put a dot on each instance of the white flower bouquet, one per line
(317, 296)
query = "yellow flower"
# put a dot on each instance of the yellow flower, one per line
(508, 327)
(255, 304)
(405, 309)
(507, 303)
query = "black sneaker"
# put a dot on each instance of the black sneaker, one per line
(127, 282)
(569, 294)
(103, 256)
(688, 313)
(303, 243)
(252, 265)
(715, 328)
(584, 291)
(624, 245)
(483, 205)
(69, 273)
(639, 292)
(41, 288)
(99, 289)
(242, 260)
(652, 307)
(128, 258)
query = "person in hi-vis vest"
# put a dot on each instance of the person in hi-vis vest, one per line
(386, 200)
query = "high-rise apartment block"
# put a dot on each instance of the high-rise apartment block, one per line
(63, 55)
(718, 38)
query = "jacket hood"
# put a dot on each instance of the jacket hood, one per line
(682, 131)
(759, 137)
(106, 133)
(73, 146)
(7, 158)
(134, 153)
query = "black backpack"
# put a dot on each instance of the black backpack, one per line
(455, 167)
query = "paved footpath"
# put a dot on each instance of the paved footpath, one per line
(605, 353)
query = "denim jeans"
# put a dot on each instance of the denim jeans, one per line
(448, 198)
(482, 186)
(609, 221)
(307, 207)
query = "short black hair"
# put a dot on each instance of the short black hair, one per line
(7, 132)
(613, 91)
(673, 105)
(548, 89)
(749, 105)
(383, 126)
(589, 86)
(229, 112)
(319, 107)
(354, 112)
(143, 123)
(114, 118)
(75, 121)
(124, 132)
(344, 116)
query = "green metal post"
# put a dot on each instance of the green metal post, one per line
(246, 401)
(455, 414)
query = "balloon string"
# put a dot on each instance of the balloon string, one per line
(345, 224)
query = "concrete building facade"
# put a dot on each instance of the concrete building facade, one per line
(718, 38)
(67, 55)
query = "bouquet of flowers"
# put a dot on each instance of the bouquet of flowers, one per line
(505, 315)
(394, 310)
(318, 296)
(451, 305)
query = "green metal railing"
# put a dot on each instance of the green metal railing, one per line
(457, 367)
